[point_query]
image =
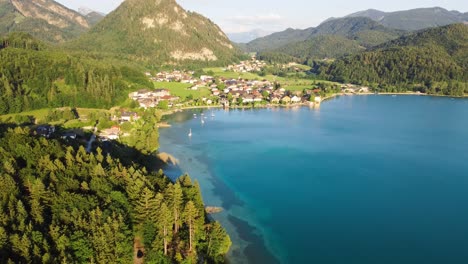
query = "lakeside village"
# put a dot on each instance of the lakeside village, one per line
(229, 92)
(223, 92)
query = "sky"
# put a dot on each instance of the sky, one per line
(235, 16)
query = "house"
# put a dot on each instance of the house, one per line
(247, 99)
(286, 100)
(69, 135)
(274, 100)
(295, 99)
(129, 116)
(143, 93)
(224, 102)
(161, 93)
(258, 98)
(147, 103)
(206, 78)
(169, 98)
(45, 131)
(110, 133)
(318, 99)
(209, 102)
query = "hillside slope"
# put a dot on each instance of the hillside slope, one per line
(363, 30)
(44, 19)
(158, 32)
(424, 59)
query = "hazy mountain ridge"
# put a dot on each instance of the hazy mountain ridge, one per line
(354, 28)
(92, 16)
(333, 38)
(245, 37)
(44, 19)
(414, 19)
(279, 39)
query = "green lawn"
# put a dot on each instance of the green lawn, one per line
(181, 89)
(292, 83)
(38, 114)
(41, 114)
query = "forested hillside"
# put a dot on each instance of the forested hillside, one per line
(61, 204)
(321, 47)
(33, 76)
(332, 39)
(433, 61)
(156, 33)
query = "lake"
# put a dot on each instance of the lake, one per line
(363, 179)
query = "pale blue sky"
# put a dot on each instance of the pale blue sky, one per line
(275, 15)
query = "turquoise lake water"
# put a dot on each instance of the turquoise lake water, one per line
(363, 179)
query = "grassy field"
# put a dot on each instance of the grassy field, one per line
(41, 114)
(289, 83)
(181, 89)
(38, 114)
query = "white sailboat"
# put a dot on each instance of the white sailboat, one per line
(202, 121)
(190, 133)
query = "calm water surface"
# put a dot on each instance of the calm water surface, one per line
(364, 179)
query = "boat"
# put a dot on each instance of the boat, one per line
(212, 114)
(190, 133)
(202, 121)
(194, 115)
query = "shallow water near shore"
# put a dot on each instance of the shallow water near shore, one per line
(363, 179)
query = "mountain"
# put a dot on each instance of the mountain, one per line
(414, 19)
(279, 39)
(245, 37)
(373, 14)
(158, 32)
(37, 75)
(93, 17)
(44, 19)
(364, 30)
(433, 60)
(331, 39)
(321, 47)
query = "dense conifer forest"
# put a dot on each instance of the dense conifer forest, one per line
(33, 76)
(432, 61)
(61, 204)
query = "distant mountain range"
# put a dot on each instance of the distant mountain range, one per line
(161, 31)
(414, 19)
(92, 16)
(352, 33)
(360, 30)
(244, 37)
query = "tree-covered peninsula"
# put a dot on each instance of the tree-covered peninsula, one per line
(60, 204)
